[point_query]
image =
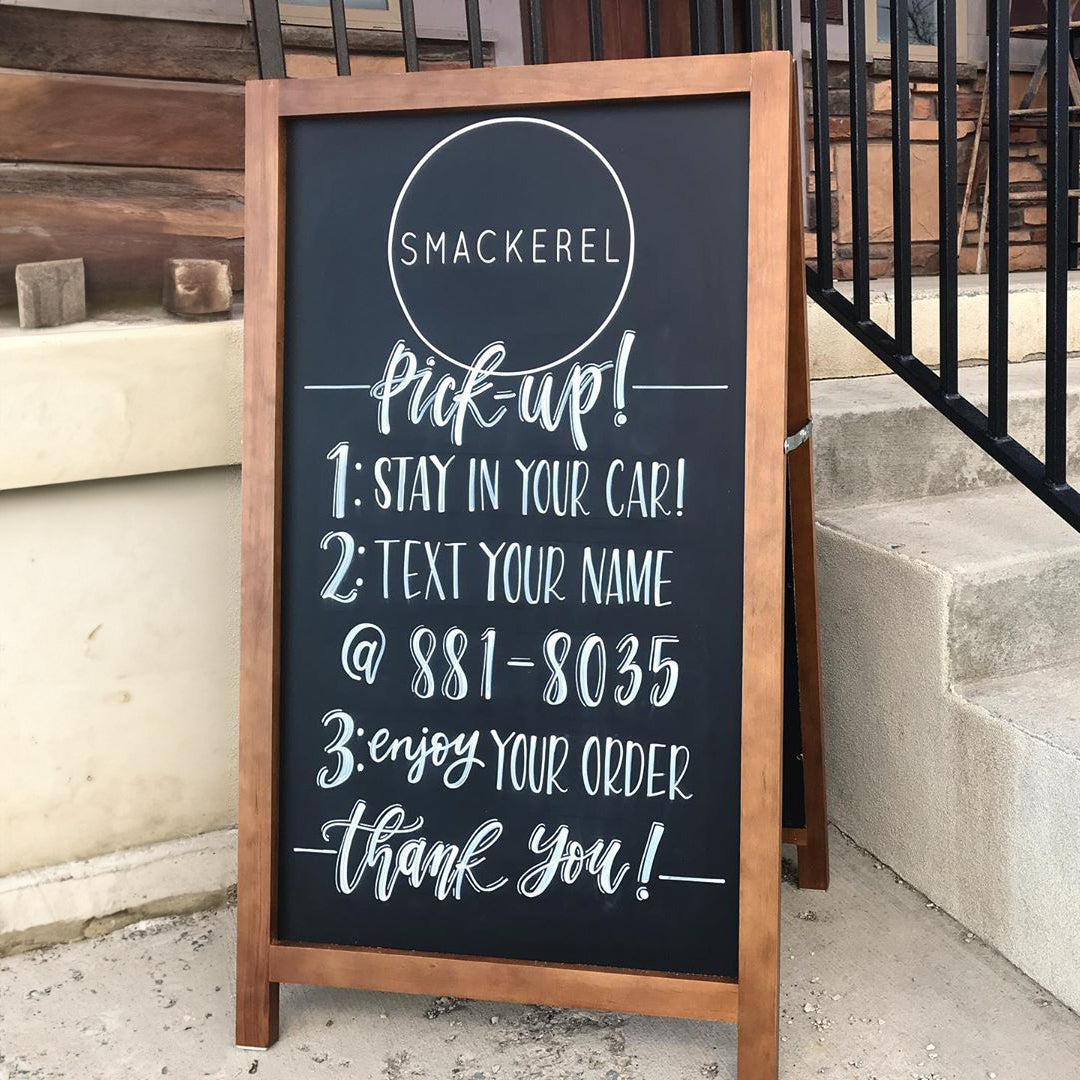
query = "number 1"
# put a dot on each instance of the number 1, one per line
(340, 456)
(488, 638)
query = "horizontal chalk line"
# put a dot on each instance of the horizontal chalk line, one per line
(316, 850)
(338, 386)
(695, 880)
(672, 386)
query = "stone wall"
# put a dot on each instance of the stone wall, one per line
(1027, 170)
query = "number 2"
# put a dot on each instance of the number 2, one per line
(333, 582)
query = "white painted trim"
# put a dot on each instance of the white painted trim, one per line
(219, 11)
(359, 18)
(79, 892)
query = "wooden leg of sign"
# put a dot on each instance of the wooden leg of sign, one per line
(256, 1007)
(256, 995)
(763, 578)
(814, 851)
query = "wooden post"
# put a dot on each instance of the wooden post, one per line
(814, 848)
(256, 995)
(763, 619)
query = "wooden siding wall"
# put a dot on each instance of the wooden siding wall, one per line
(122, 139)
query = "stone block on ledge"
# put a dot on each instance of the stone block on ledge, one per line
(197, 286)
(50, 293)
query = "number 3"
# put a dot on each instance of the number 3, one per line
(337, 745)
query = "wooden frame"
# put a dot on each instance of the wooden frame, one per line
(262, 961)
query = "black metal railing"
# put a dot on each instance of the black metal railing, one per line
(1047, 478)
(733, 25)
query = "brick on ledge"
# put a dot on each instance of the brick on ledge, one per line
(50, 293)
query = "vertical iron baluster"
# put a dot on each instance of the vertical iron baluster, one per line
(710, 26)
(536, 32)
(998, 219)
(783, 28)
(408, 36)
(704, 38)
(266, 29)
(1057, 126)
(901, 176)
(341, 36)
(860, 214)
(1074, 167)
(472, 27)
(946, 50)
(596, 31)
(727, 24)
(652, 28)
(819, 61)
(753, 25)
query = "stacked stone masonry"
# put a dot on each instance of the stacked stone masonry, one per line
(1027, 170)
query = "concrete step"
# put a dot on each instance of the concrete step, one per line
(1043, 704)
(1023, 789)
(877, 441)
(1008, 566)
(951, 659)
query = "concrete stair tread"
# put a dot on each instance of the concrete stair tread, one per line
(1044, 703)
(882, 393)
(968, 532)
(877, 441)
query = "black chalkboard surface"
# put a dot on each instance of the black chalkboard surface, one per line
(512, 532)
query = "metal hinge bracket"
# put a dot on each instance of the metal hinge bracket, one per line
(793, 442)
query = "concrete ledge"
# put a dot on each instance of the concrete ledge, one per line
(97, 400)
(95, 896)
(834, 353)
(144, 392)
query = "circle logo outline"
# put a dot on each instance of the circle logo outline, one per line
(412, 176)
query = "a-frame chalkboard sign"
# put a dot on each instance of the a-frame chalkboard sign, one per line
(518, 379)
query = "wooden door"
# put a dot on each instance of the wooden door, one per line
(566, 29)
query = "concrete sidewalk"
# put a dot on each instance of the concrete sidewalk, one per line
(876, 985)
